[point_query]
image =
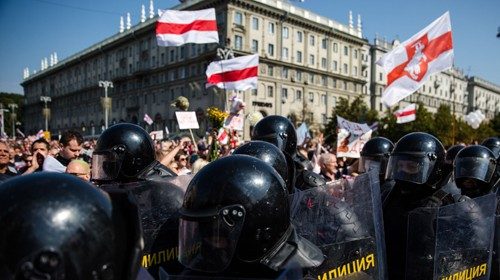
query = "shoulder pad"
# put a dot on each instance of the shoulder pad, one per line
(312, 179)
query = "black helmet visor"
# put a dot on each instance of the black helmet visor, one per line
(473, 167)
(409, 168)
(370, 163)
(105, 165)
(207, 241)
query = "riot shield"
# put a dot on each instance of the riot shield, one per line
(159, 201)
(344, 219)
(495, 262)
(451, 242)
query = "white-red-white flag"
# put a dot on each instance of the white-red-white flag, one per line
(222, 136)
(409, 65)
(238, 73)
(175, 28)
(148, 119)
(407, 114)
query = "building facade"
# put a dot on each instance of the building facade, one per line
(483, 95)
(307, 62)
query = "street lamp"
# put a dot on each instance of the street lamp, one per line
(106, 101)
(13, 116)
(46, 110)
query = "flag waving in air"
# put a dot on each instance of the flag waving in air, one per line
(148, 119)
(407, 114)
(234, 74)
(175, 28)
(409, 65)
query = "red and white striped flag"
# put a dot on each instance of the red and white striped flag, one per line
(175, 28)
(234, 74)
(222, 136)
(409, 65)
(407, 114)
(148, 119)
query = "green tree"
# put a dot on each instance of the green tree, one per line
(495, 124)
(444, 125)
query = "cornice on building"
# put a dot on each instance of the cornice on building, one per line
(477, 81)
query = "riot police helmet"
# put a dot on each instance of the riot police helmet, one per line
(417, 158)
(451, 153)
(279, 131)
(57, 226)
(235, 209)
(375, 155)
(474, 168)
(123, 152)
(270, 154)
(492, 143)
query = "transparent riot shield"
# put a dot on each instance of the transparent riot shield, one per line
(345, 221)
(159, 201)
(451, 242)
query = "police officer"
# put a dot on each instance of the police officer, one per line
(56, 226)
(375, 155)
(271, 155)
(124, 158)
(416, 167)
(125, 153)
(235, 222)
(474, 168)
(280, 132)
(492, 143)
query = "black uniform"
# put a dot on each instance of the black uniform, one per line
(235, 222)
(56, 226)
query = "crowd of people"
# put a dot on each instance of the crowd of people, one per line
(266, 208)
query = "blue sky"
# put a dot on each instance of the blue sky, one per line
(33, 29)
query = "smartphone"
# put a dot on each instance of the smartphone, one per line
(39, 159)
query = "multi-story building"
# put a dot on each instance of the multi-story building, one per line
(307, 62)
(448, 87)
(483, 95)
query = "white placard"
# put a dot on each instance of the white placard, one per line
(187, 120)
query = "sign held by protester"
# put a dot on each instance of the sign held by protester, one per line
(351, 137)
(156, 135)
(187, 120)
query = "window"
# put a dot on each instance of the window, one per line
(285, 32)
(334, 101)
(299, 75)
(345, 85)
(311, 78)
(334, 65)
(324, 118)
(380, 77)
(254, 92)
(299, 36)
(335, 47)
(270, 91)
(324, 80)
(311, 40)
(323, 99)
(270, 28)
(345, 68)
(346, 50)
(255, 23)
(311, 59)
(299, 57)
(171, 55)
(284, 94)
(284, 74)
(255, 46)
(285, 53)
(323, 44)
(323, 63)
(298, 95)
(334, 84)
(238, 18)
(355, 71)
(270, 71)
(311, 97)
(238, 42)
(270, 49)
